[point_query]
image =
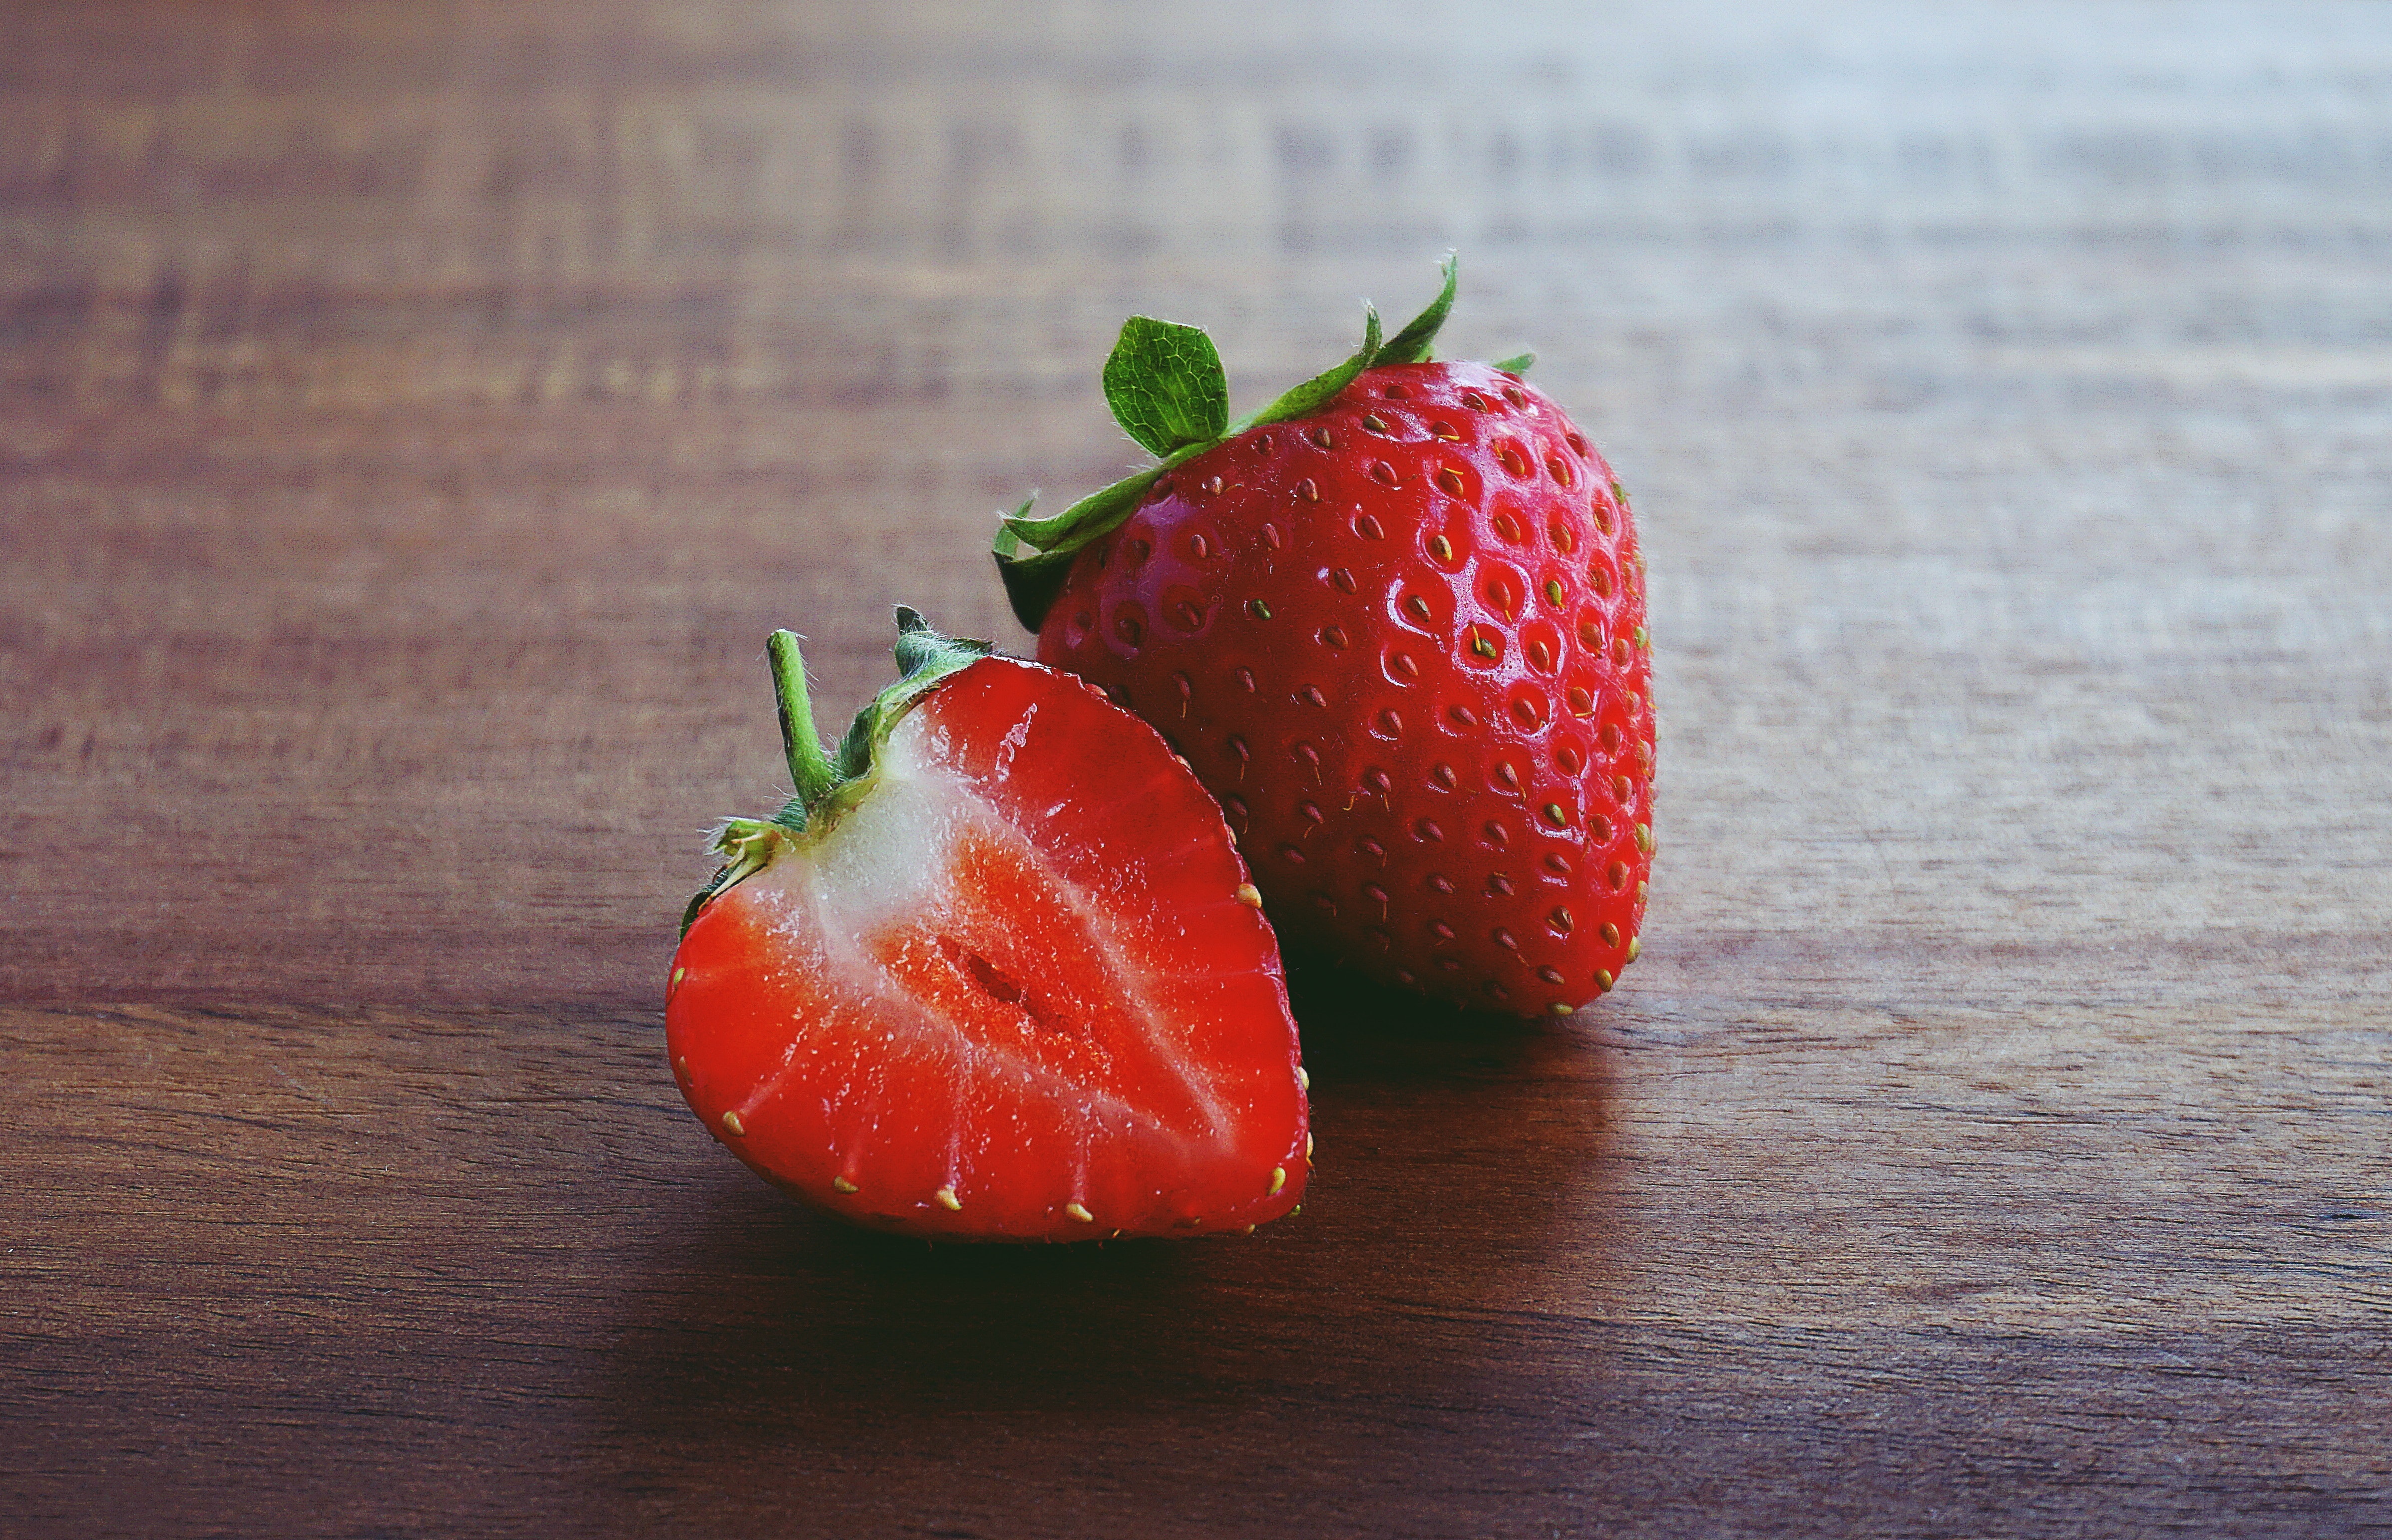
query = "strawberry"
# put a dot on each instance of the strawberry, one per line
(995, 972)
(1396, 621)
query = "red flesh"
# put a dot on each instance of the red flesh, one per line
(1071, 1006)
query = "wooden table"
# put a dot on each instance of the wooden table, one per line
(413, 418)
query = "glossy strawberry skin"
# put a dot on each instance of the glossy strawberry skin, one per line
(1403, 640)
(1012, 993)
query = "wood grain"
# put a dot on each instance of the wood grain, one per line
(412, 419)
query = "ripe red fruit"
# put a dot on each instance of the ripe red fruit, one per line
(995, 973)
(1399, 633)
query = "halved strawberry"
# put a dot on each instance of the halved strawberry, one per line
(996, 973)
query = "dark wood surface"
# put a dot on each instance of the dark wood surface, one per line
(412, 419)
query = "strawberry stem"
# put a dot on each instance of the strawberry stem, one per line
(809, 766)
(827, 787)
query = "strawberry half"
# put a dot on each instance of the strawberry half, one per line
(995, 973)
(1396, 621)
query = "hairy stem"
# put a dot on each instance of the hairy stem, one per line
(809, 766)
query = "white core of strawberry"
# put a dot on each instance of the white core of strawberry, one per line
(890, 854)
(887, 863)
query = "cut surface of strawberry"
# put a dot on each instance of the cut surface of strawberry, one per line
(1000, 981)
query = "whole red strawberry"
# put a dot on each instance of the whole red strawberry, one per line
(1395, 622)
(995, 973)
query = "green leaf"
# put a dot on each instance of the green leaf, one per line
(1032, 581)
(1412, 343)
(1519, 363)
(1005, 521)
(746, 847)
(924, 658)
(1317, 392)
(1166, 385)
(1047, 534)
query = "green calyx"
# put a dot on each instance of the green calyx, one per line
(1168, 391)
(829, 783)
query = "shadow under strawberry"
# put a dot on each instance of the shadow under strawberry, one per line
(1463, 1170)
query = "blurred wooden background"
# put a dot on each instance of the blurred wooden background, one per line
(412, 419)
